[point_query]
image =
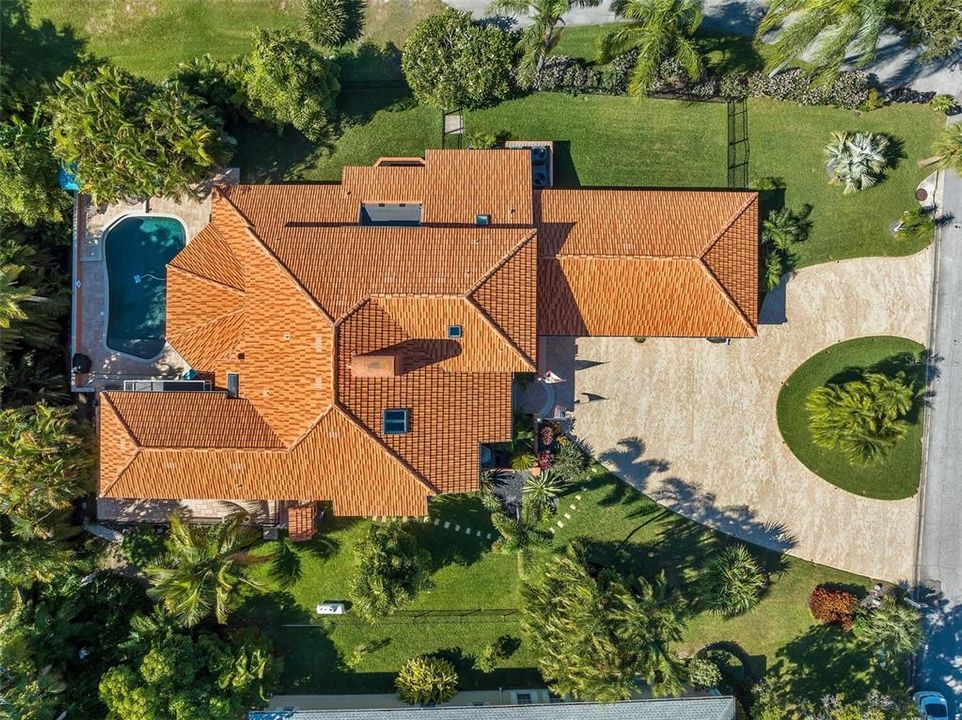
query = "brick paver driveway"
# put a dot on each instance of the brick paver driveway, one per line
(692, 424)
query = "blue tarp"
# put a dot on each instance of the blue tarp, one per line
(68, 178)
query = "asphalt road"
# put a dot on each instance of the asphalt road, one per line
(940, 556)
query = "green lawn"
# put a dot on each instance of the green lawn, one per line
(897, 476)
(623, 528)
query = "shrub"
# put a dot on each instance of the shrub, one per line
(733, 86)
(143, 546)
(450, 62)
(333, 22)
(219, 82)
(617, 75)
(733, 582)
(28, 174)
(873, 101)
(916, 225)
(569, 462)
(389, 571)
(943, 103)
(702, 673)
(849, 89)
(833, 607)
(780, 231)
(427, 680)
(482, 141)
(290, 83)
(487, 659)
(561, 73)
(857, 159)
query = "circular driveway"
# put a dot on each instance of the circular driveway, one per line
(692, 424)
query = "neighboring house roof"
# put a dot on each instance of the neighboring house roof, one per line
(329, 322)
(702, 708)
(655, 262)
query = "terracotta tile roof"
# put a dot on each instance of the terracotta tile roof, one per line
(434, 260)
(328, 324)
(669, 263)
(191, 420)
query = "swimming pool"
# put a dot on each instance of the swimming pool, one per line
(137, 250)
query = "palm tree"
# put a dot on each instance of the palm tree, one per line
(823, 31)
(204, 568)
(733, 583)
(660, 30)
(893, 630)
(11, 296)
(783, 228)
(543, 489)
(948, 149)
(861, 418)
(427, 680)
(540, 38)
(856, 160)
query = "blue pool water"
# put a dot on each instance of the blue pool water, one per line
(137, 250)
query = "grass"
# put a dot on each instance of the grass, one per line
(617, 141)
(897, 476)
(623, 527)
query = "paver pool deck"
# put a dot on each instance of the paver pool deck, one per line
(692, 424)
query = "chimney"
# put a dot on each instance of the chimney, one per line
(233, 384)
(378, 364)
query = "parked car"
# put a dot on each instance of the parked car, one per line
(931, 705)
(331, 608)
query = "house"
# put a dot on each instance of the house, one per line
(359, 339)
(690, 708)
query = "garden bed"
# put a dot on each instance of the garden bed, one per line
(898, 475)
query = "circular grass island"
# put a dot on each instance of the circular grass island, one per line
(897, 475)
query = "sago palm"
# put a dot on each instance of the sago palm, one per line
(857, 160)
(540, 38)
(660, 30)
(204, 569)
(823, 31)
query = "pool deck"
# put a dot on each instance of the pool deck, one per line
(89, 325)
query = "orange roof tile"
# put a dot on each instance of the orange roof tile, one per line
(654, 262)
(286, 289)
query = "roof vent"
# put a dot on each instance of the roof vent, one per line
(233, 384)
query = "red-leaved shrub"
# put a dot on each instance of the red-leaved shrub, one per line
(836, 607)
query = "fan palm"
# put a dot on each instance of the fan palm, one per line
(893, 630)
(540, 38)
(823, 31)
(856, 160)
(204, 568)
(862, 418)
(733, 583)
(660, 30)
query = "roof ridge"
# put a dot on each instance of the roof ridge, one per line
(503, 261)
(752, 198)
(273, 256)
(337, 405)
(498, 330)
(205, 278)
(726, 294)
(133, 438)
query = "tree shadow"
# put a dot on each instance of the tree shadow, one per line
(448, 546)
(33, 55)
(630, 464)
(738, 521)
(565, 174)
(737, 54)
(370, 65)
(825, 660)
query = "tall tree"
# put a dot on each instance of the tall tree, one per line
(824, 32)
(390, 569)
(540, 38)
(450, 61)
(129, 138)
(44, 465)
(204, 569)
(29, 192)
(332, 23)
(595, 638)
(290, 83)
(659, 30)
